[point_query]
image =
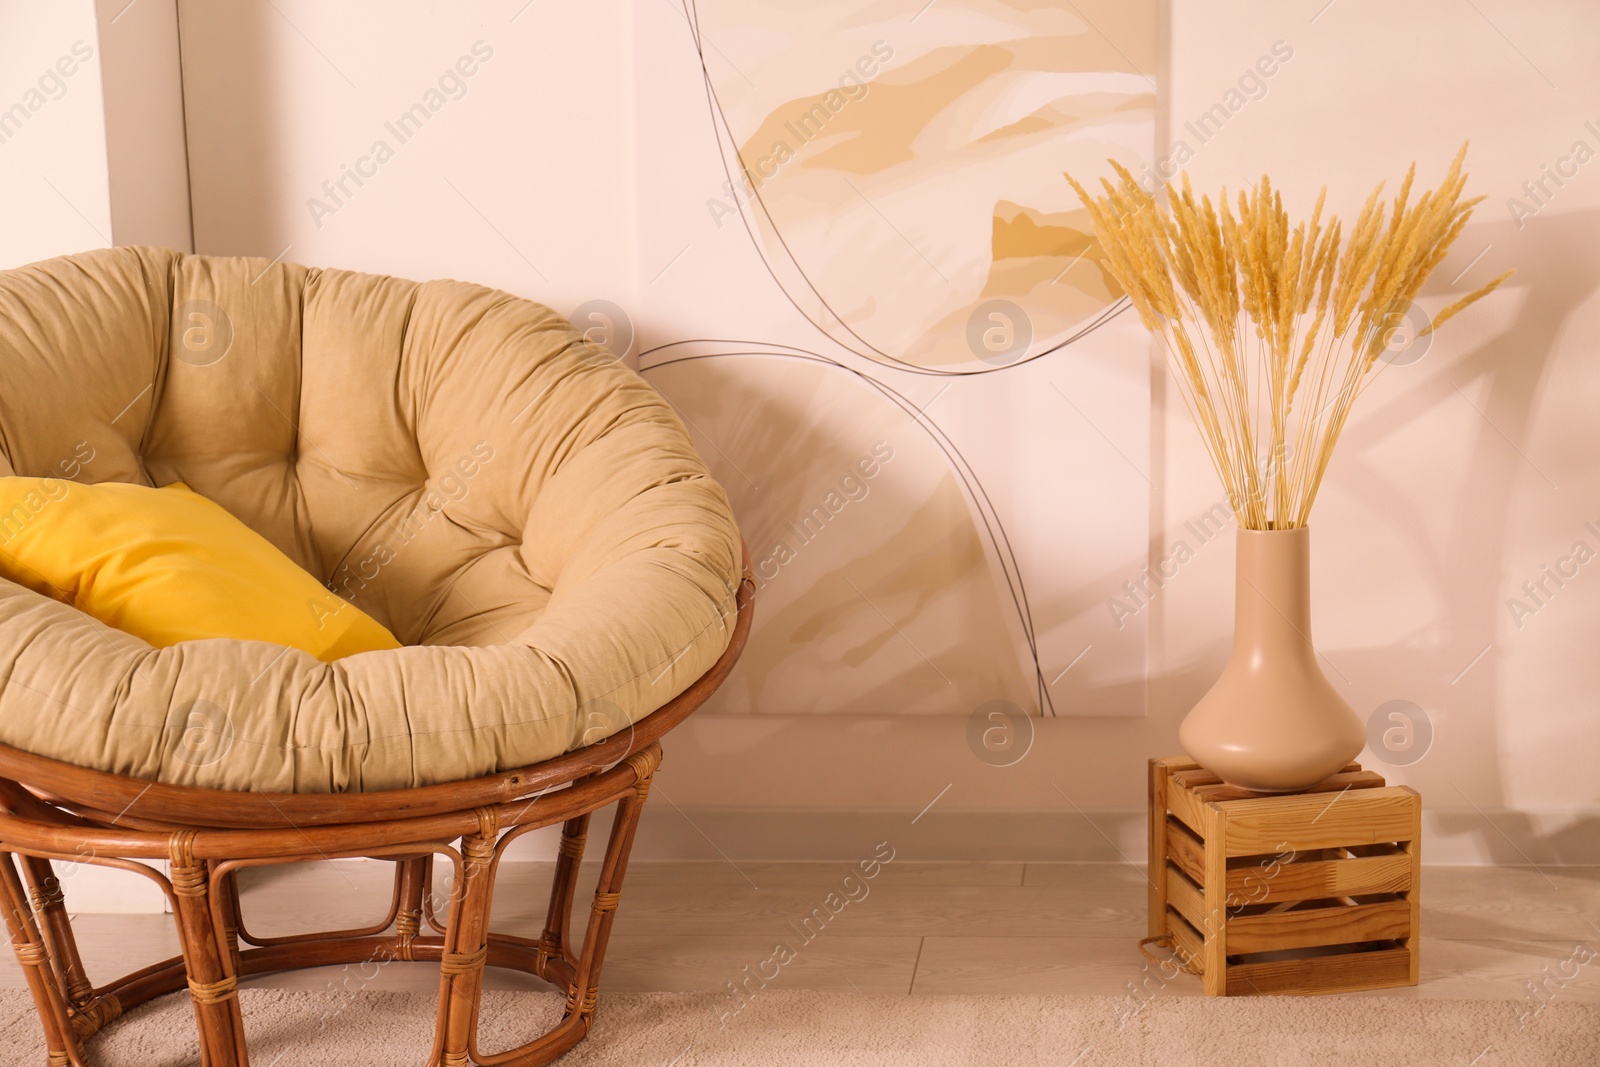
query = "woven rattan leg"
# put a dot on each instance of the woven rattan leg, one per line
(86, 1011)
(412, 876)
(555, 942)
(585, 986)
(213, 982)
(467, 942)
(228, 887)
(34, 958)
(50, 906)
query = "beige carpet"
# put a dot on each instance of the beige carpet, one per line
(776, 1029)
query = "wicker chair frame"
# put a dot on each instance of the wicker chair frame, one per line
(56, 811)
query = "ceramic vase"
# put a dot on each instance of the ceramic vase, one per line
(1273, 722)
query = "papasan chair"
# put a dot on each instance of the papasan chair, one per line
(574, 600)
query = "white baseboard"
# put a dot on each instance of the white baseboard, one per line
(673, 834)
(1450, 838)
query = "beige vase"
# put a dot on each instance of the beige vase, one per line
(1273, 722)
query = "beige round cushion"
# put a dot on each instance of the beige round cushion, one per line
(526, 515)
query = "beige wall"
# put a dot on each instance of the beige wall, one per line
(53, 177)
(1461, 475)
(146, 157)
(521, 179)
(91, 128)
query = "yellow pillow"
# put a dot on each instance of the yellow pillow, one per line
(169, 565)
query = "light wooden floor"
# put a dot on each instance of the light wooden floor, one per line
(923, 928)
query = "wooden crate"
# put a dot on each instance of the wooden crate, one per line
(1311, 892)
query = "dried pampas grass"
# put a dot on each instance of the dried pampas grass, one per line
(1273, 332)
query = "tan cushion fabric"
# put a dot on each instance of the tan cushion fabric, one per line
(456, 461)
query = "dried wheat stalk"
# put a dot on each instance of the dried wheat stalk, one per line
(1273, 332)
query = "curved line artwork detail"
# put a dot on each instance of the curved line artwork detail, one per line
(693, 349)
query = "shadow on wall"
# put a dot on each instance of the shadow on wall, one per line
(1560, 261)
(230, 62)
(1558, 265)
(865, 549)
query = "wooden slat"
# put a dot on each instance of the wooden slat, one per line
(1314, 879)
(1347, 779)
(1305, 822)
(1323, 974)
(1186, 899)
(1414, 898)
(1340, 924)
(1171, 765)
(1187, 809)
(1187, 947)
(1187, 851)
(1156, 905)
(1194, 776)
(1215, 927)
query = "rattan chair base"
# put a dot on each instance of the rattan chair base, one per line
(51, 811)
(218, 949)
